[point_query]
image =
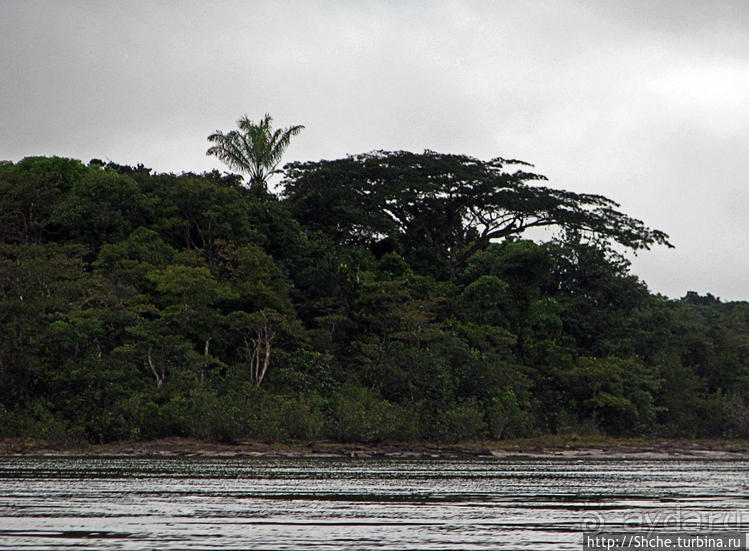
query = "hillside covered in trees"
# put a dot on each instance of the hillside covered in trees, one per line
(388, 296)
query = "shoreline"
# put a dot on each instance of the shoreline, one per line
(541, 447)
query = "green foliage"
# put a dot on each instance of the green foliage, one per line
(102, 207)
(445, 207)
(507, 416)
(30, 192)
(463, 420)
(254, 148)
(618, 394)
(359, 416)
(386, 297)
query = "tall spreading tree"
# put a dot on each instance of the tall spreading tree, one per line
(255, 149)
(453, 204)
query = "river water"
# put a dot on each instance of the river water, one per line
(299, 503)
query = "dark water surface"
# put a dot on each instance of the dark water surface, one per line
(264, 503)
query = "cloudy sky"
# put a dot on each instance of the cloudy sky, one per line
(646, 102)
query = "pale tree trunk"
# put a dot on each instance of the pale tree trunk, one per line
(159, 374)
(266, 360)
(205, 362)
(257, 351)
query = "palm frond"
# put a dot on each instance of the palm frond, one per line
(253, 149)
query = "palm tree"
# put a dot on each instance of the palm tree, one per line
(255, 148)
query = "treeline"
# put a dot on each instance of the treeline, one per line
(382, 297)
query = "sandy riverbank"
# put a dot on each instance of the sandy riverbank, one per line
(556, 446)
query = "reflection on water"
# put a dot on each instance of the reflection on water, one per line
(241, 503)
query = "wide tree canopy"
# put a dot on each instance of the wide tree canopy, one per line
(454, 203)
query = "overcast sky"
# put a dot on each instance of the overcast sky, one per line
(646, 102)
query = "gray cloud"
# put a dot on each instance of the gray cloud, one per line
(645, 102)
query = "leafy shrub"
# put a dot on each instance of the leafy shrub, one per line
(460, 421)
(358, 415)
(505, 418)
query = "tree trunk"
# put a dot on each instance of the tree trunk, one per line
(157, 373)
(205, 362)
(261, 345)
(266, 361)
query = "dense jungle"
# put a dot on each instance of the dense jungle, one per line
(383, 297)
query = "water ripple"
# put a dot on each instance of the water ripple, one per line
(296, 503)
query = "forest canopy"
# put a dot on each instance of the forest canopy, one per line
(386, 296)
